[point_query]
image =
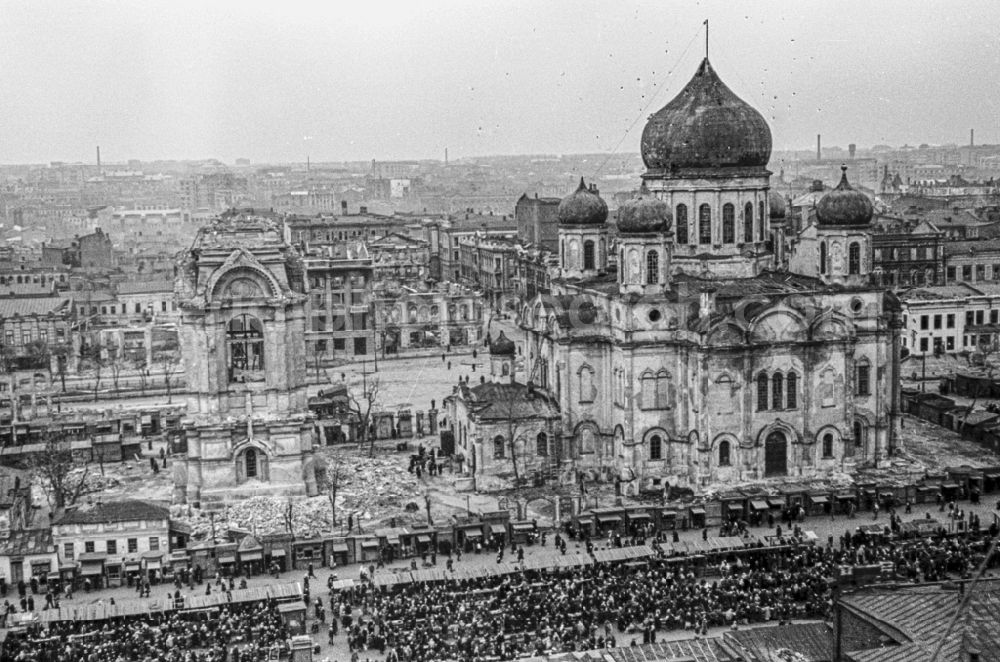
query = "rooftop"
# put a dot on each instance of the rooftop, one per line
(145, 286)
(27, 542)
(809, 642)
(114, 511)
(29, 306)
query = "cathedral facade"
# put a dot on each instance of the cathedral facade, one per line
(711, 348)
(248, 429)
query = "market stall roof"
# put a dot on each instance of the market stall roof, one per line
(523, 526)
(423, 538)
(759, 504)
(697, 510)
(227, 558)
(498, 529)
(776, 501)
(668, 513)
(638, 516)
(277, 552)
(92, 557)
(369, 543)
(608, 519)
(339, 547)
(819, 499)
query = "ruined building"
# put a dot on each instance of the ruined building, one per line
(693, 350)
(242, 331)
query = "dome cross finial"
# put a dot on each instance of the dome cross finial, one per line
(706, 38)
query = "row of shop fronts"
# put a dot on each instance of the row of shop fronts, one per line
(953, 484)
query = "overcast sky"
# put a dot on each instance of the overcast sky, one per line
(278, 81)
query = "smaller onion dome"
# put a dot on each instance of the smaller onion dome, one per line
(644, 214)
(582, 207)
(502, 346)
(777, 204)
(844, 205)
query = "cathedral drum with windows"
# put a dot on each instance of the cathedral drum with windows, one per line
(242, 334)
(689, 354)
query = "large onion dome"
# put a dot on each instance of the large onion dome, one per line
(844, 205)
(582, 207)
(502, 346)
(643, 214)
(706, 126)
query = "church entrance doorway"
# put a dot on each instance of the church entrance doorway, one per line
(776, 454)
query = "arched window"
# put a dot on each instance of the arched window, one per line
(777, 399)
(762, 392)
(652, 268)
(748, 223)
(724, 460)
(854, 258)
(728, 223)
(682, 224)
(792, 398)
(588, 254)
(822, 257)
(655, 447)
(411, 314)
(542, 444)
(859, 433)
(827, 445)
(250, 462)
(245, 337)
(760, 214)
(498, 447)
(704, 224)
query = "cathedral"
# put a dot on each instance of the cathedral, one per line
(248, 429)
(707, 343)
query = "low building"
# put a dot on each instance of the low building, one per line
(147, 300)
(27, 554)
(31, 327)
(973, 261)
(504, 431)
(947, 319)
(111, 539)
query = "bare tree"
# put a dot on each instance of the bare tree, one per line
(168, 365)
(115, 362)
(54, 468)
(361, 406)
(337, 476)
(509, 406)
(61, 354)
(143, 378)
(286, 514)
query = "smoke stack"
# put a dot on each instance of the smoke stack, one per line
(98, 159)
(972, 137)
(851, 149)
(819, 148)
(446, 156)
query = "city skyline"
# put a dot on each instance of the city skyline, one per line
(396, 81)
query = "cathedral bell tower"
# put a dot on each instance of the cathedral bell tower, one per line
(240, 291)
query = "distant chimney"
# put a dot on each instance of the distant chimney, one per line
(446, 156)
(851, 149)
(972, 137)
(98, 159)
(819, 147)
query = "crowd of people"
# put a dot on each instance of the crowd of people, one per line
(236, 633)
(606, 605)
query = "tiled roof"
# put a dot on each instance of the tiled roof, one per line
(145, 286)
(499, 402)
(938, 292)
(27, 542)
(913, 612)
(922, 615)
(810, 642)
(28, 306)
(971, 246)
(115, 511)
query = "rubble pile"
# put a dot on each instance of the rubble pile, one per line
(260, 515)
